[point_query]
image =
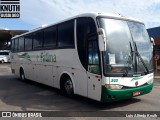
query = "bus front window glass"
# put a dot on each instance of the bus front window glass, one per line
(143, 43)
(122, 55)
(118, 45)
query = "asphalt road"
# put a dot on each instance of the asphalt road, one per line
(16, 95)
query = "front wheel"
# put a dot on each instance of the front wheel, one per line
(68, 87)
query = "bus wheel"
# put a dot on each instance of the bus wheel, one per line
(22, 75)
(2, 61)
(68, 87)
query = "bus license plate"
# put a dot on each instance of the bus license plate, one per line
(136, 93)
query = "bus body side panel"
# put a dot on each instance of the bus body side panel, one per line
(14, 69)
(28, 70)
(94, 86)
(43, 74)
(15, 65)
(38, 70)
(68, 60)
(78, 77)
(39, 66)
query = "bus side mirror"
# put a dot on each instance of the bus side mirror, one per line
(152, 41)
(102, 39)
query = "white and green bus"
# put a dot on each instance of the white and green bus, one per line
(105, 57)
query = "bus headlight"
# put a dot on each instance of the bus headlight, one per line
(150, 81)
(113, 86)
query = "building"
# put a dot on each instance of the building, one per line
(155, 33)
(6, 35)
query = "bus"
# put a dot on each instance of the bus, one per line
(4, 56)
(105, 57)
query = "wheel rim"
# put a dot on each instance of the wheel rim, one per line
(68, 87)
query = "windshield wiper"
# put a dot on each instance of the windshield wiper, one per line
(131, 52)
(137, 54)
(129, 61)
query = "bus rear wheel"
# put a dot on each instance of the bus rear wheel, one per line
(2, 61)
(22, 75)
(68, 87)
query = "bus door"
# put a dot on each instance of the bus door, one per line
(93, 72)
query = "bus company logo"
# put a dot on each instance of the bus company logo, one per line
(136, 83)
(136, 78)
(9, 8)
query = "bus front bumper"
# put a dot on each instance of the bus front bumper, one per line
(109, 95)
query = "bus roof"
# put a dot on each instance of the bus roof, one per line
(93, 15)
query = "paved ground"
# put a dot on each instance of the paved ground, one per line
(16, 95)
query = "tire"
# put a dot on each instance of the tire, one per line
(68, 88)
(2, 61)
(22, 75)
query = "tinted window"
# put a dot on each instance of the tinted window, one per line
(12, 46)
(4, 53)
(21, 44)
(50, 37)
(85, 27)
(66, 34)
(93, 58)
(28, 42)
(93, 53)
(16, 45)
(38, 40)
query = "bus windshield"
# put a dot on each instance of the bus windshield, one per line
(128, 47)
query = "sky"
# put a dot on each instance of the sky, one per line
(35, 13)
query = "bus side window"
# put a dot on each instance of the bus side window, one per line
(93, 57)
(50, 37)
(38, 40)
(21, 44)
(16, 44)
(66, 34)
(85, 26)
(12, 46)
(28, 42)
